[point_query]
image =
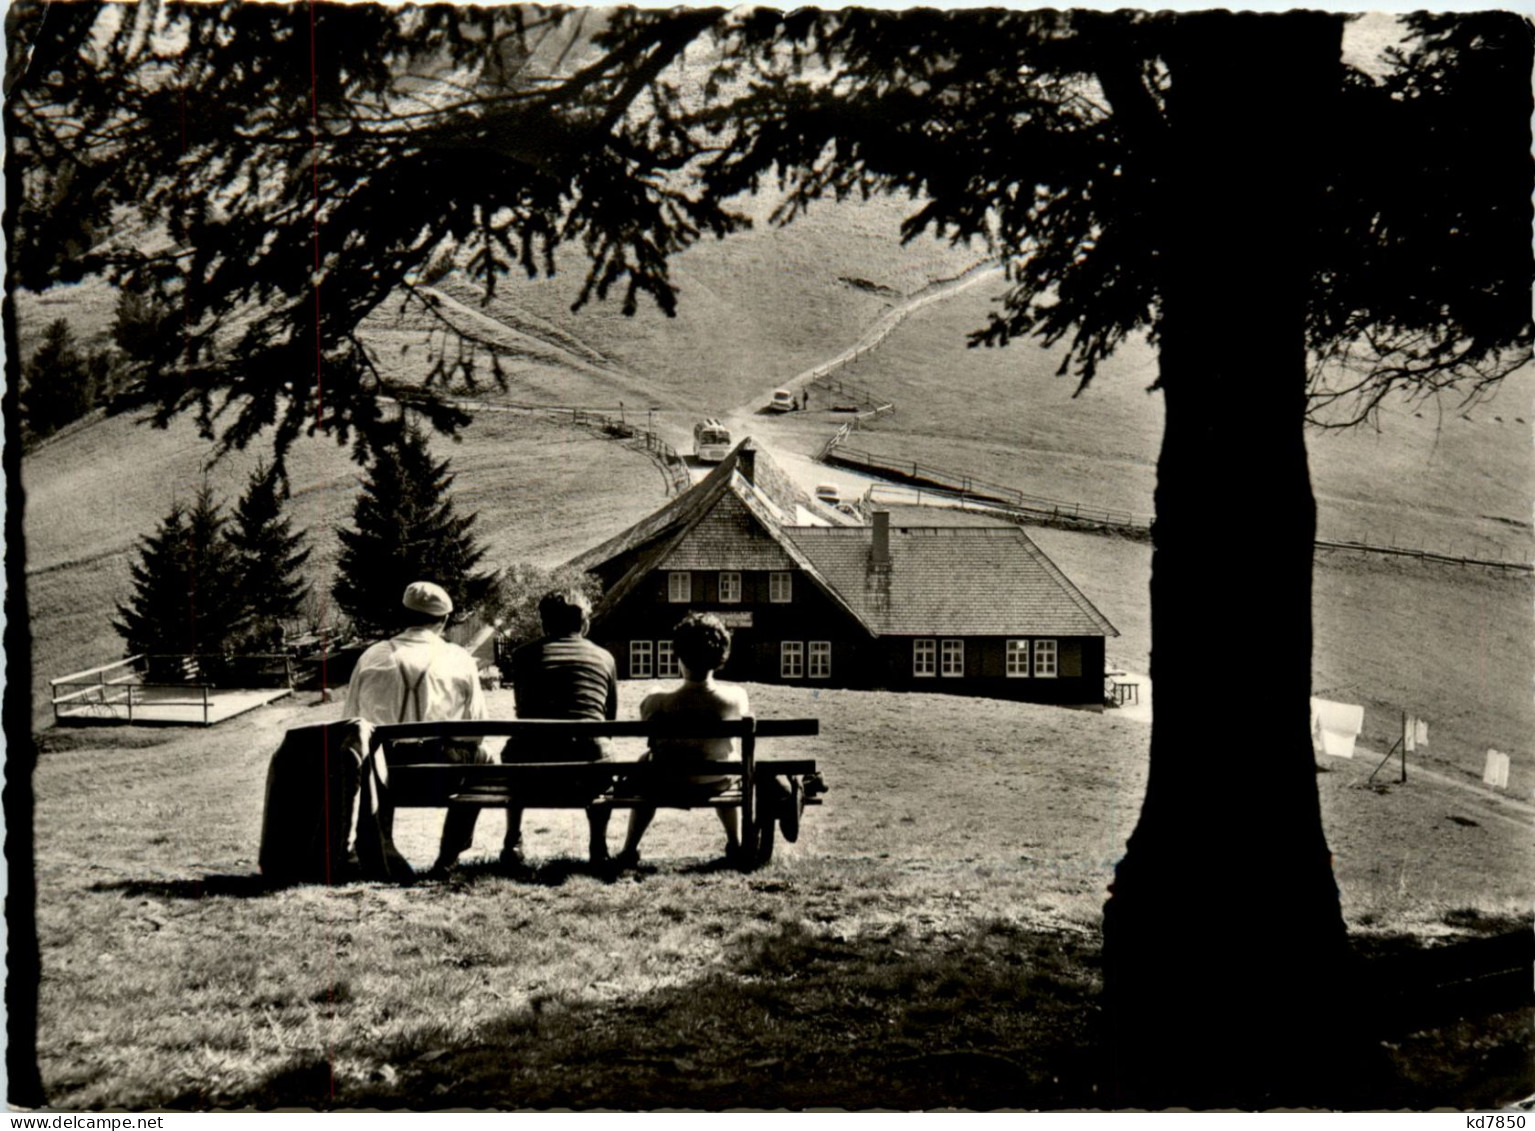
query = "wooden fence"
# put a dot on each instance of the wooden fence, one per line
(158, 682)
(672, 463)
(849, 394)
(965, 487)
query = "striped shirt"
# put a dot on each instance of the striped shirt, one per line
(565, 677)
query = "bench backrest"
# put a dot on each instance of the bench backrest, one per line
(587, 728)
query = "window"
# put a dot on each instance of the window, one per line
(923, 657)
(820, 659)
(780, 587)
(639, 659)
(1017, 659)
(791, 659)
(1044, 659)
(667, 666)
(679, 587)
(953, 658)
(730, 588)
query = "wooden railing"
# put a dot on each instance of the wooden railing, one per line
(137, 681)
(964, 487)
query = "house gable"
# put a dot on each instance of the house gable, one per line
(729, 536)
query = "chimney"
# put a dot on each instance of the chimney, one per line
(746, 460)
(879, 554)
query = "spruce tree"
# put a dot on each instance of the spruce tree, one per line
(407, 529)
(58, 384)
(268, 558)
(186, 591)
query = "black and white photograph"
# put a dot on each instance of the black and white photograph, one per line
(840, 559)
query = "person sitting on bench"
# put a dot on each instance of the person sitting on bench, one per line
(416, 677)
(563, 675)
(701, 644)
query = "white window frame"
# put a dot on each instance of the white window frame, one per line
(1017, 659)
(679, 581)
(780, 587)
(947, 667)
(1047, 663)
(820, 660)
(924, 658)
(730, 594)
(667, 665)
(640, 666)
(791, 659)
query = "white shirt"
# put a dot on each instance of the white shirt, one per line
(378, 691)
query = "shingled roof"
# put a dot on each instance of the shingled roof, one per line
(761, 477)
(940, 580)
(733, 518)
(951, 581)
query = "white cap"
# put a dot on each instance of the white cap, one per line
(425, 597)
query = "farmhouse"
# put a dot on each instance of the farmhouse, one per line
(975, 609)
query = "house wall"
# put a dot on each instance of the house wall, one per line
(857, 660)
(808, 616)
(1078, 680)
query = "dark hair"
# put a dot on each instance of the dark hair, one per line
(564, 611)
(701, 642)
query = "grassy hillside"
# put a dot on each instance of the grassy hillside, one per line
(753, 310)
(544, 491)
(1452, 645)
(930, 940)
(1431, 476)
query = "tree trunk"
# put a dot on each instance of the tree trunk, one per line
(1224, 946)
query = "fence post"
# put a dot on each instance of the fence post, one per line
(205, 704)
(130, 702)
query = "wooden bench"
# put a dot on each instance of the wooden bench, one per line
(614, 785)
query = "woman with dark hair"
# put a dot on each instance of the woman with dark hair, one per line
(701, 644)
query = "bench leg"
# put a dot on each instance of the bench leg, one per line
(757, 854)
(750, 817)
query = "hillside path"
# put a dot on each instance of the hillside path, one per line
(746, 419)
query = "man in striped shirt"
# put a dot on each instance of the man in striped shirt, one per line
(562, 676)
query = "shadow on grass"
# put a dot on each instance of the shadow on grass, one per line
(998, 1016)
(995, 1017)
(244, 885)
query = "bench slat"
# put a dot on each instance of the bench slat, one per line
(546, 771)
(593, 728)
(727, 800)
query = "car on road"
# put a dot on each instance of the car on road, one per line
(829, 494)
(783, 401)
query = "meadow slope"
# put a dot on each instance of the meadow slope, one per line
(1433, 475)
(930, 939)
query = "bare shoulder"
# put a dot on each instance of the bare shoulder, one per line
(652, 703)
(736, 695)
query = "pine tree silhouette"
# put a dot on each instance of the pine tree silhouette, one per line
(186, 586)
(269, 557)
(58, 382)
(407, 529)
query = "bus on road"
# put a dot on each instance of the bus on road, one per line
(711, 441)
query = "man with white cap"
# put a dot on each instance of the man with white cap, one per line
(417, 676)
